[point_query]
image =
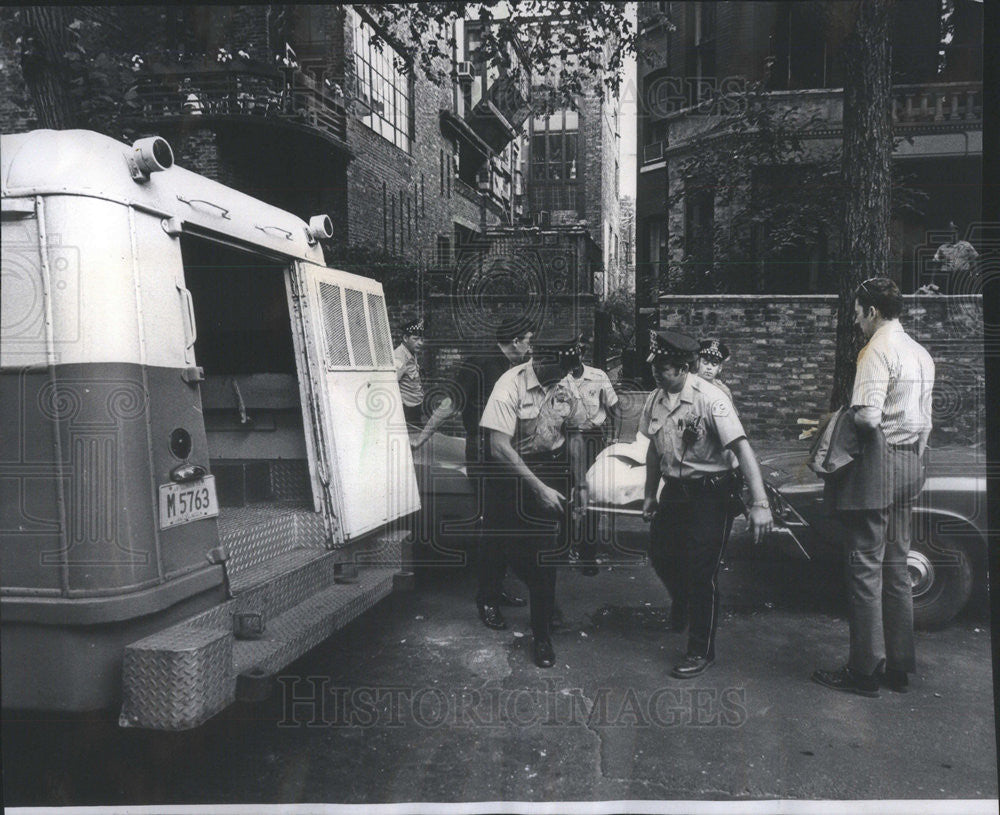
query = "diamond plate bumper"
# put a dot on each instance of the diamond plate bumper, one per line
(180, 677)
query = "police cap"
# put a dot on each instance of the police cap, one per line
(714, 350)
(672, 346)
(413, 327)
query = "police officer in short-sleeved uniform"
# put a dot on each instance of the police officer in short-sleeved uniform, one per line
(697, 448)
(532, 450)
(408, 371)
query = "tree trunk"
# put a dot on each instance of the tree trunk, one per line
(44, 65)
(865, 173)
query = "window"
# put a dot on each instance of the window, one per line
(383, 84)
(554, 146)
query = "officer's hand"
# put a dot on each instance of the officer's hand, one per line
(761, 522)
(581, 497)
(551, 500)
(648, 509)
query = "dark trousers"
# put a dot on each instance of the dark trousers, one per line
(687, 539)
(413, 414)
(491, 559)
(531, 539)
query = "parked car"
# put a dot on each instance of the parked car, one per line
(948, 553)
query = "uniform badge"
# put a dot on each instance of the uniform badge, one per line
(720, 408)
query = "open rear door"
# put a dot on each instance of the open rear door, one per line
(363, 469)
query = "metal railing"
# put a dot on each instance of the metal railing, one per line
(286, 96)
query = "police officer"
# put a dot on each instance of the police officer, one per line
(477, 375)
(533, 450)
(697, 448)
(711, 355)
(411, 389)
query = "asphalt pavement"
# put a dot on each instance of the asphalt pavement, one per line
(417, 701)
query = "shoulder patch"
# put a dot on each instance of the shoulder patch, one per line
(720, 408)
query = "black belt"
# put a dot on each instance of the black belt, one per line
(913, 446)
(724, 480)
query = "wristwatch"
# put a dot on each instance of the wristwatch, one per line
(763, 504)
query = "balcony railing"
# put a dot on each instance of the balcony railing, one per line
(946, 102)
(290, 97)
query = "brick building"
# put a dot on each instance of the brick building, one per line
(295, 105)
(707, 53)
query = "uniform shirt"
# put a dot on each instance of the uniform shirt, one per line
(408, 374)
(533, 415)
(588, 390)
(475, 380)
(703, 407)
(896, 375)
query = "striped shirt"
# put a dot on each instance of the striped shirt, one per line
(896, 375)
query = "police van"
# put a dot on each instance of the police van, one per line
(205, 464)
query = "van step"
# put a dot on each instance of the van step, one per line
(257, 533)
(178, 678)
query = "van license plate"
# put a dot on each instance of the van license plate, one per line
(189, 501)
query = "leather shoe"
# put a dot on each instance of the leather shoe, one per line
(491, 617)
(848, 681)
(895, 680)
(690, 666)
(511, 600)
(545, 654)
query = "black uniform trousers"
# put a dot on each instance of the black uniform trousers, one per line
(687, 538)
(533, 541)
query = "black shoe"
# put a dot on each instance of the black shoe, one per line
(691, 666)
(848, 681)
(545, 654)
(895, 680)
(491, 616)
(511, 600)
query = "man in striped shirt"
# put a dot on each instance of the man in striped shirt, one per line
(891, 401)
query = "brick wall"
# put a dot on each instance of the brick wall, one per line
(783, 356)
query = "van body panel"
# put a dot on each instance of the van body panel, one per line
(114, 423)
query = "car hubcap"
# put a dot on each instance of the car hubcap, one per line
(921, 573)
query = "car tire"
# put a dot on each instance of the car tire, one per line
(941, 576)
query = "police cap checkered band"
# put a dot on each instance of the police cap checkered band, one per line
(413, 326)
(561, 343)
(714, 350)
(672, 345)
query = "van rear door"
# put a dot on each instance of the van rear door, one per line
(363, 468)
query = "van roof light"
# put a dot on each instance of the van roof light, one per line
(320, 228)
(147, 156)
